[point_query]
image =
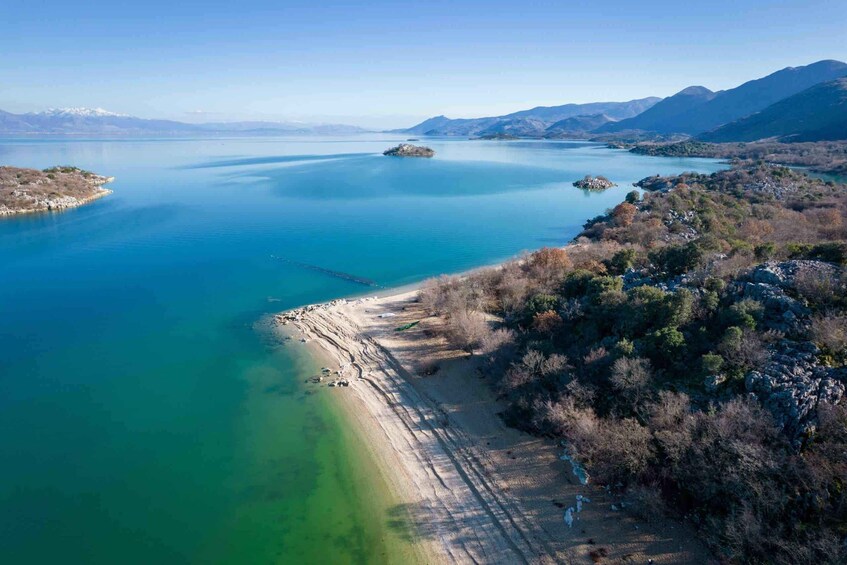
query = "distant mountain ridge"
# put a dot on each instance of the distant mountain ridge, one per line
(818, 113)
(664, 115)
(693, 111)
(698, 110)
(532, 122)
(97, 121)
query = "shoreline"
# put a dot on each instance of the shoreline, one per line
(101, 192)
(476, 490)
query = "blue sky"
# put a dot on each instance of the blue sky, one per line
(384, 64)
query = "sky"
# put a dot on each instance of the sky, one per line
(386, 64)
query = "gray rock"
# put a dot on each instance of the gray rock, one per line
(792, 384)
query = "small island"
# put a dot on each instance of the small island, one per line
(496, 137)
(409, 150)
(598, 183)
(24, 191)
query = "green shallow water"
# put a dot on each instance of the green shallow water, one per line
(144, 419)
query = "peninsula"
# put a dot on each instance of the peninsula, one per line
(618, 399)
(409, 150)
(24, 191)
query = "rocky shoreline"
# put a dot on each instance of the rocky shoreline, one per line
(29, 191)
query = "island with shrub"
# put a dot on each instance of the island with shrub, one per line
(409, 150)
(25, 191)
(598, 183)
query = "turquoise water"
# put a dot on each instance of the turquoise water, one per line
(143, 418)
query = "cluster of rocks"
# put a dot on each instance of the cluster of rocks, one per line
(680, 225)
(659, 183)
(409, 150)
(792, 383)
(326, 373)
(598, 183)
(770, 284)
(779, 189)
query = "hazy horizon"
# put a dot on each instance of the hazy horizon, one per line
(379, 67)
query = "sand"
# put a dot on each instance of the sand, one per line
(473, 490)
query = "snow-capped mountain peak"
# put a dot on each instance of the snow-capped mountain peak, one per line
(80, 112)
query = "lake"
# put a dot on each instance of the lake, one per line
(144, 418)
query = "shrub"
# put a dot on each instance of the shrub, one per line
(621, 261)
(623, 214)
(832, 252)
(677, 259)
(549, 265)
(666, 345)
(541, 303)
(546, 322)
(711, 363)
(631, 379)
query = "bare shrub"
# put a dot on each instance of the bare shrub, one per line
(830, 332)
(582, 394)
(819, 286)
(615, 450)
(623, 214)
(547, 322)
(467, 330)
(631, 378)
(672, 423)
(548, 266)
(496, 340)
(645, 502)
(448, 295)
(512, 290)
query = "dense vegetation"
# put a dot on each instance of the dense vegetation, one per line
(690, 349)
(822, 156)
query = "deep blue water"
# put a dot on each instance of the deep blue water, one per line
(142, 418)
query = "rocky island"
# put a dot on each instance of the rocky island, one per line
(598, 183)
(24, 191)
(409, 150)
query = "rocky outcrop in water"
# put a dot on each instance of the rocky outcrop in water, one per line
(29, 190)
(598, 183)
(409, 150)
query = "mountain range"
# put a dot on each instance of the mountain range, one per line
(531, 122)
(97, 121)
(697, 109)
(816, 114)
(796, 103)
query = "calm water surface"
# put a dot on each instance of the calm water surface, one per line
(142, 417)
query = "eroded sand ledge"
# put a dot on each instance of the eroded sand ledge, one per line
(478, 491)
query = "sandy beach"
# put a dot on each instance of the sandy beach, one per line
(475, 490)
